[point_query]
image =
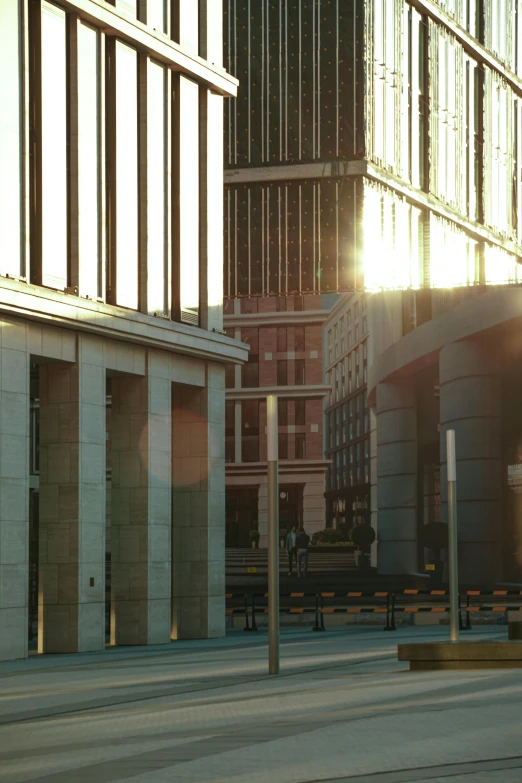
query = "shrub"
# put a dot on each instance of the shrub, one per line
(328, 536)
(254, 535)
(363, 536)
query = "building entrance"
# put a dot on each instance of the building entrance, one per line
(290, 506)
(241, 515)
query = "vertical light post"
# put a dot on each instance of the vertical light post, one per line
(273, 535)
(452, 536)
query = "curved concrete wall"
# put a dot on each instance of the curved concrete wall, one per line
(397, 478)
(491, 309)
(470, 404)
(467, 342)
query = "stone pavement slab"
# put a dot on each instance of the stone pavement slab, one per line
(343, 709)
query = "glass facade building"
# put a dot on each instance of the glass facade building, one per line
(111, 321)
(375, 147)
(419, 103)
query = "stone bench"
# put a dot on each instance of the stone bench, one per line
(432, 656)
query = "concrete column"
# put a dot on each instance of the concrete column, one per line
(374, 519)
(141, 505)
(14, 488)
(198, 524)
(314, 512)
(72, 502)
(397, 478)
(470, 404)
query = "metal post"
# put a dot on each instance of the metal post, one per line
(273, 535)
(452, 536)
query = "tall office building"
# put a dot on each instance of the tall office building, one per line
(375, 146)
(111, 192)
(445, 86)
(287, 220)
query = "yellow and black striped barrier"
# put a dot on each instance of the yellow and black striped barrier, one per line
(359, 602)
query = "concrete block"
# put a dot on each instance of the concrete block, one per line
(461, 655)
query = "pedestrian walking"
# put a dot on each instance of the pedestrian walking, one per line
(302, 542)
(291, 549)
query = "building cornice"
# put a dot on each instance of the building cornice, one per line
(260, 393)
(365, 168)
(339, 307)
(280, 318)
(53, 308)
(115, 22)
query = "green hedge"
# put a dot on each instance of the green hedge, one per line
(329, 536)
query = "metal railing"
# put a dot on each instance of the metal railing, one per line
(388, 603)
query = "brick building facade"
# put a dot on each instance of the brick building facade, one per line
(285, 339)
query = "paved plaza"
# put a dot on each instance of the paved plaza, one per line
(343, 709)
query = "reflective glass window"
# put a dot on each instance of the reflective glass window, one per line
(54, 147)
(156, 15)
(498, 153)
(501, 267)
(89, 162)
(385, 84)
(156, 189)
(215, 31)
(392, 232)
(215, 202)
(300, 446)
(453, 251)
(282, 412)
(299, 338)
(10, 140)
(126, 177)
(189, 202)
(189, 23)
(282, 372)
(300, 372)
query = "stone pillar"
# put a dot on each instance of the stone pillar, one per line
(198, 524)
(141, 505)
(71, 601)
(397, 478)
(14, 488)
(470, 404)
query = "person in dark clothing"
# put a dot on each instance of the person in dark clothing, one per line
(301, 542)
(291, 549)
